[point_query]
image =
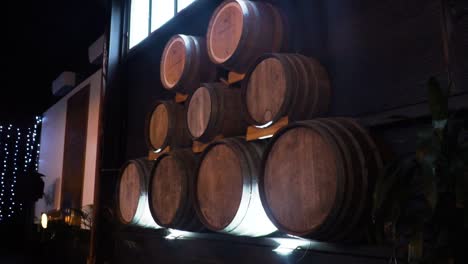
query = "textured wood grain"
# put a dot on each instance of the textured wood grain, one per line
(173, 62)
(280, 85)
(266, 90)
(167, 127)
(219, 186)
(168, 186)
(185, 64)
(213, 110)
(129, 192)
(74, 149)
(300, 179)
(159, 126)
(199, 112)
(241, 31)
(226, 31)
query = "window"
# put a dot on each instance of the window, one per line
(151, 13)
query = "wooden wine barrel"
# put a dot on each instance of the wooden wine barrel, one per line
(171, 191)
(280, 85)
(185, 64)
(132, 194)
(241, 31)
(214, 109)
(317, 176)
(227, 198)
(166, 126)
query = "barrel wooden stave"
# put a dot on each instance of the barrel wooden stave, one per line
(185, 64)
(132, 194)
(227, 197)
(167, 127)
(214, 109)
(241, 31)
(356, 155)
(171, 191)
(280, 85)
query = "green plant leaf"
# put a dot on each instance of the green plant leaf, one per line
(438, 101)
(384, 184)
(429, 183)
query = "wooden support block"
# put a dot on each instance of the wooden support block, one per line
(254, 133)
(153, 155)
(180, 98)
(198, 146)
(234, 77)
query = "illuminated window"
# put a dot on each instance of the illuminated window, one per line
(156, 13)
(139, 17)
(181, 4)
(161, 12)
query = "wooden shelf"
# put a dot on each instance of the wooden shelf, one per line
(233, 77)
(254, 133)
(153, 155)
(180, 98)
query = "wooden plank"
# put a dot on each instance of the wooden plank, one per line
(180, 98)
(76, 130)
(254, 133)
(234, 77)
(199, 147)
(153, 155)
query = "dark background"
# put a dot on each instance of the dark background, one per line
(43, 39)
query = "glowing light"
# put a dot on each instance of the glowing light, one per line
(265, 137)
(177, 234)
(44, 220)
(265, 125)
(287, 245)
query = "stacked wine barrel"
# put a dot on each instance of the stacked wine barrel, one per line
(315, 176)
(132, 194)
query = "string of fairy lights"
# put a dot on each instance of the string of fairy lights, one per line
(19, 150)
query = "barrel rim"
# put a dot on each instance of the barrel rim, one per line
(210, 27)
(165, 52)
(215, 121)
(282, 112)
(340, 180)
(356, 175)
(245, 177)
(180, 207)
(170, 127)
(139, 209)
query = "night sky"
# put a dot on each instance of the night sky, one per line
(45, 38)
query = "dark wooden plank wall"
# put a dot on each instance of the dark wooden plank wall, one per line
(74, 153)
(379, 55)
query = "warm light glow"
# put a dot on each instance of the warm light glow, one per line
(44, 220)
